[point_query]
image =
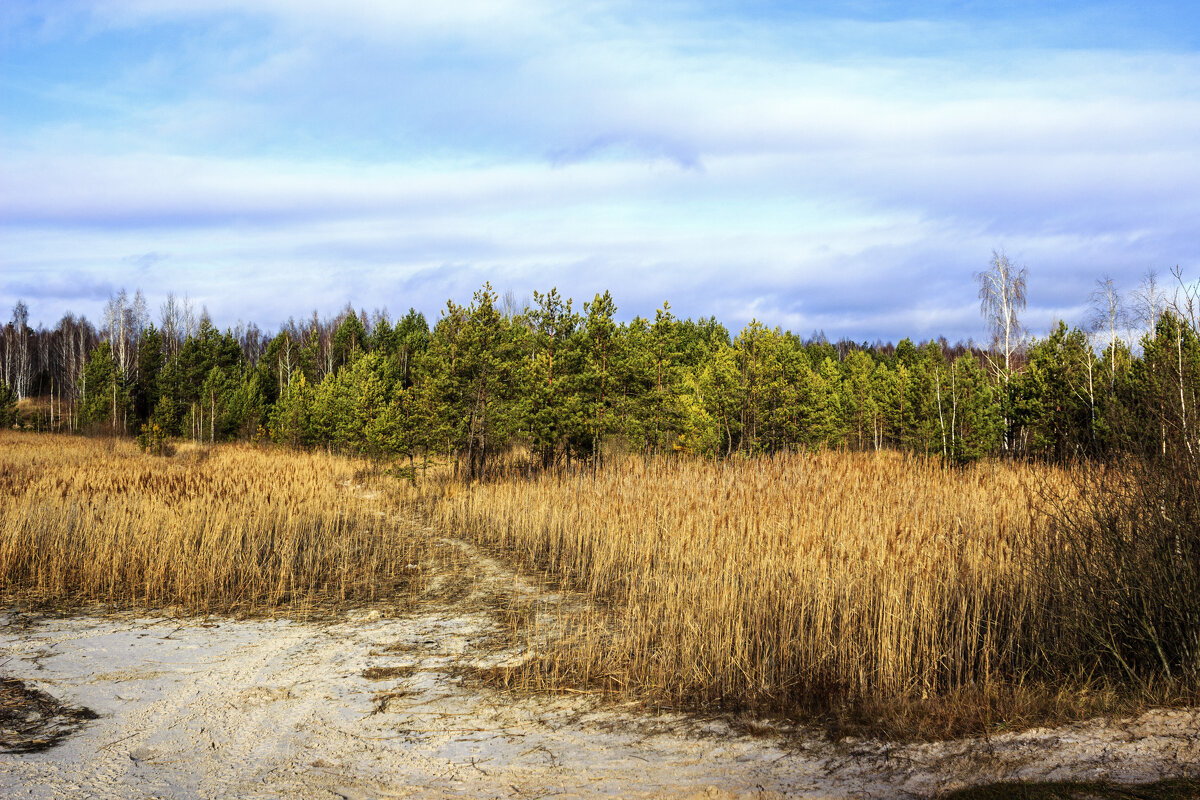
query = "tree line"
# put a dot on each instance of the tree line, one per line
(570, 385)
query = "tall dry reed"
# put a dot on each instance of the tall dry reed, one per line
(231, 529)
(768, 582)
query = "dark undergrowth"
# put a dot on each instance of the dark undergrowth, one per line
(994, 709)
(1174, 789)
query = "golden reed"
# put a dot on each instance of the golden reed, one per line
(774, 583)
(232, 529)
(766, 581)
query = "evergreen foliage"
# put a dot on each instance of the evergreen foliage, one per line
(8, 406)
(571, 385)
(105, 395)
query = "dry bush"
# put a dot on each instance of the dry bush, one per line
(1125, 567)
(227, 529)
(779, 582)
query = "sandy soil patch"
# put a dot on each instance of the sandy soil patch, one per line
(371, 707)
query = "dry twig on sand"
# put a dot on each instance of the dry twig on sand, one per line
(32, 720)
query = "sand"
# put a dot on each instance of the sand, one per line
(208, 708)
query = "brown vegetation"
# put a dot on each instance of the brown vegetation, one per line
(1169, 789)
(882, 592)
(229, 529)
(786, 582)
(32, 720)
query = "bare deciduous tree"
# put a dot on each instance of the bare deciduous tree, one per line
(1108, 315)
(1186, 302)
(1149, 302)
(18, 361)
(1001, 299)
(189, 318)
(1186, 306)
(170, 316)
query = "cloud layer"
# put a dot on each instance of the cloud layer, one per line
(847, 168)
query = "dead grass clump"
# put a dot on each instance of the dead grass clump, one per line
(32, 721)
(229, 529)
(381, 702)
(981, 710)
(386, 673)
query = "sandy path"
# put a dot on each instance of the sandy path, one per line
(273, 708)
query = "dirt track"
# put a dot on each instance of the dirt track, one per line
(283, 709)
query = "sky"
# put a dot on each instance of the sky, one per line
(837, 166)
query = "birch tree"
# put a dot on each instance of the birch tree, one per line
(18, 360)
(170, 316)
(1108, 315)
(114, 316)
(1001, 300)
(1147, 303)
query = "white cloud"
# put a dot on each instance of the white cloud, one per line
(737, 170)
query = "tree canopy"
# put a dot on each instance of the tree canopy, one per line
(571, 385)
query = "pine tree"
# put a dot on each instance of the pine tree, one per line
(349, 340)
(551, 412)
(478, 355)
(599, 349)
(8, 406)
(412, 339)
(150, 359)
(106, 398)
(884, 401)
(826, 421)
(859, 399)
(1054, 398)
(976, 421)
(783, 368)
(720, 392)
(1166, 386)
(291, 417)
(663, 351)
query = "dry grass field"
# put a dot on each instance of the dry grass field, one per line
(793, 582)
(880, 592)
(232, 529)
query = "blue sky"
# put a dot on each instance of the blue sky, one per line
(835, 166)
